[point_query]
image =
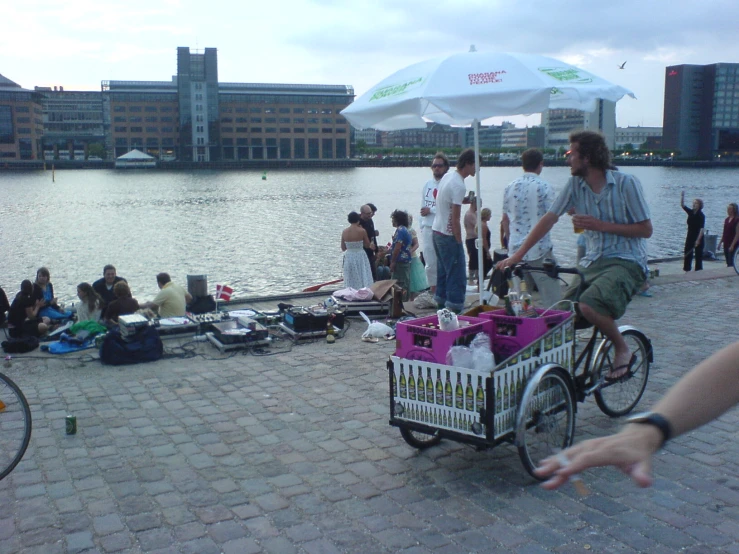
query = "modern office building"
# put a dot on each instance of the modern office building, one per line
(435, 135)
(490, 136)
(560, 123)
(195, 118)
(370, 137)
(21, 122)
(522, 137)
(701, 112)
(73, 121)
(636, 136)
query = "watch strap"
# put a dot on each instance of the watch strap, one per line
(657, 420)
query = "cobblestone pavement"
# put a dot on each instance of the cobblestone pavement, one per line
(293, 453)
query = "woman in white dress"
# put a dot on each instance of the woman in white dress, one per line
(354, 239)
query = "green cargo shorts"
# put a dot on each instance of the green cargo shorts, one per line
(610, 283)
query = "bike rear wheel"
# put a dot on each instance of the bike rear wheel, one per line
(15, 425)
(546, 420)
(620, 397)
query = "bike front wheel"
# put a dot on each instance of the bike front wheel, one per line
(15, 425)
(618, 398)
(420, 440)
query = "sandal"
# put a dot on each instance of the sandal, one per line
(370, 339)
(616, 369)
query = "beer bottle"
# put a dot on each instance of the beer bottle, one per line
(429, 387)
(403, 385)
(506, 397)
(448, 401)
(480, 394)
(526, 303)
(330, 338)
(439, 388)
(459, 393)
(498, 396)
(421, 386)
(411, 384)
(469, 396)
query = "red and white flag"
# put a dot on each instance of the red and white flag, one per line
(223, 292)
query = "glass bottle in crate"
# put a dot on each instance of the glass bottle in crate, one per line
(526, 303)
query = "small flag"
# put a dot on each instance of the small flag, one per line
(223, 292)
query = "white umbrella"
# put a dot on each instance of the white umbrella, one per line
(463, 89)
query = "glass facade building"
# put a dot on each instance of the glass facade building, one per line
(21, 122)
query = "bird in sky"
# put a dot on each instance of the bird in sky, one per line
(622, 65)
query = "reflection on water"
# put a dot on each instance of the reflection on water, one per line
(278, 235)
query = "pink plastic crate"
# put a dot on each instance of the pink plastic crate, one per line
(415, 341)
(510, 334)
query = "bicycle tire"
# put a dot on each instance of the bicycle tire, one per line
(420, 440)
(619, 398)
(546, 420)
(15, 425)
(736, 261)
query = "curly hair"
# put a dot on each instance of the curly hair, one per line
(592, 145)
(400, 217)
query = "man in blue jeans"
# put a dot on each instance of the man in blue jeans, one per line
(451, 279)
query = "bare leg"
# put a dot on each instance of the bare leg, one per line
(609, 328)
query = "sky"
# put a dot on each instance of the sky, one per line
(79, 43)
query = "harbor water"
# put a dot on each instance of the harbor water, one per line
(262, 237)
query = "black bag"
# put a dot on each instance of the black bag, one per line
(144, 346)
(498, 283)
(202, 305)
(20, 345)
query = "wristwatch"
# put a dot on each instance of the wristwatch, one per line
(657, 420)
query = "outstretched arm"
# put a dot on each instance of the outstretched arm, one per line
(709, 389)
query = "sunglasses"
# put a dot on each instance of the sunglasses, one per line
(437, 165)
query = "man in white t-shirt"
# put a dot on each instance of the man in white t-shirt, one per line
(451, 279)
(525, 201)
(439, 168)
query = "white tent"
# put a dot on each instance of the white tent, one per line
(135, 159)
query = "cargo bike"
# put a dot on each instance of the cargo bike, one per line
(528, 399)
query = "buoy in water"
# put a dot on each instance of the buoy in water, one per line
(264, 176)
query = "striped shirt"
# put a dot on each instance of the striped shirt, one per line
(620, 201)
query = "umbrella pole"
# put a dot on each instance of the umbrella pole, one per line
(480, 266)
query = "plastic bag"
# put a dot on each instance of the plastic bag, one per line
(482, 356)
(460, 356)
(376, 329)
(447, 320)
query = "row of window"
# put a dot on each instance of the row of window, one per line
(324, 130)
(137, 119)
(155, 130)
(324, 120)
(148, 109)
(253, 109)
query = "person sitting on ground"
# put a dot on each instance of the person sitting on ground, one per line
(44, 290)
(172, 299)
(4, 307)
(381, 261)
(709, 389)
(91, 305)
(104, 286)
(124, 303)
(611, 208)
(23, 318)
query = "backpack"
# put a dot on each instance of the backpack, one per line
(20, 345)
(144, 346)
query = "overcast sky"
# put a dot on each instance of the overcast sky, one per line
(78, 43)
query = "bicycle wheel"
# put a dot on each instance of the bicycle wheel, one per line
(15, 425)
(619, 398)
(546, 419)
(420, 440)
(736, 261)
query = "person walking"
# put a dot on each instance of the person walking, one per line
(451, 277)
(694, 241)
(525, 201)
(731, 233)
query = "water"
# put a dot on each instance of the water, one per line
(261, 237)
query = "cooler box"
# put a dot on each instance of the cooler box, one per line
(421, 339)
(510, 334)
(310, 320)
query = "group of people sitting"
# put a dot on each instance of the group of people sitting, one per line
(35, 310)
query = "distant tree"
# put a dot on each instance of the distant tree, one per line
(628, 147)
(96, 149)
